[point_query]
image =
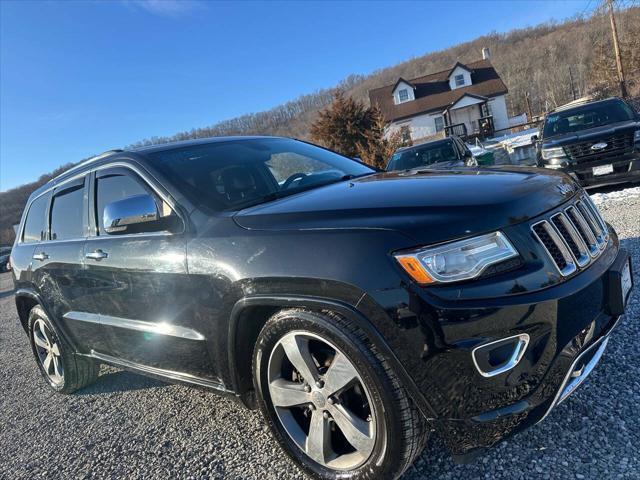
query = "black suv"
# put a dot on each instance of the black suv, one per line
(446, 153)
(359, 310)
(597, 143)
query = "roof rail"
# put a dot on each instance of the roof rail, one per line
(89, 160)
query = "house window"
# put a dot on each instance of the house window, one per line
(403, 95)
(459, 79)
(439, 123)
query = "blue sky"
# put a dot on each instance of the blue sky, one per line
(78, 78)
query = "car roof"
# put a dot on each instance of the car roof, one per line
(571, 106)
(429, 143)
(109, 154)
(198, 141)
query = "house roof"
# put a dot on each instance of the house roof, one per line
(402, 80)
(479, 97)
(433, 93)
(461, 65)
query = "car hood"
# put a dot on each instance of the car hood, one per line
(594, 134)
(428, 206)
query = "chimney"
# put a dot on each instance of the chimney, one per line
(486, 54)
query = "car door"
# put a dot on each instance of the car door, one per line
(140, 289)
(58, 262)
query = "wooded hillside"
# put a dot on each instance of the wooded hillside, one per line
(545, 61)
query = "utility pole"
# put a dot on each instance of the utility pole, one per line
(616, 47)
(526, 99)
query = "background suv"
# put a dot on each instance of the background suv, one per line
(359, 310)
(597, 143)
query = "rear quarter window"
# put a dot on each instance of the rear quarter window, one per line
(35, 225)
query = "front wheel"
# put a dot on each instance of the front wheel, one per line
(331, 399)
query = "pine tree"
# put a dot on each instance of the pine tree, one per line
(350, 128)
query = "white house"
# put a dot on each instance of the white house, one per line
(466, 99)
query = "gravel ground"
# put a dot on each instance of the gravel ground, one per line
(126, 425)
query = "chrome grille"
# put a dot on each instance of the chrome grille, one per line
(574, 237)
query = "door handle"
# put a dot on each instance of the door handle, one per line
(97, 255)
(40, 256)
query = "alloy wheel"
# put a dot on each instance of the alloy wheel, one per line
(321, 401)
(48, 352)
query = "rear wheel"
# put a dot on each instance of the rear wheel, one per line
(331, 400)
(64, 371)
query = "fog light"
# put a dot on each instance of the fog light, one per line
(500, 356)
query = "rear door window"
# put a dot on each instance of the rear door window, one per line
(35, 225)
(67, 213)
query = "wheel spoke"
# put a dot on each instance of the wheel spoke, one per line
(55, 349)
(56, 366)
(318, 445)
(340, 374)
(288, 394)
(39, 340)
(43, 332)
(354, 429)
(297, 350)
(47, 362)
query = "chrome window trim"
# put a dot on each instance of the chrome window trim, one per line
(560, 243)
(165, 329)
(516, 356)
(115, 163)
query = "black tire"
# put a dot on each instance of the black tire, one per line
(77, 372)
(401, 430)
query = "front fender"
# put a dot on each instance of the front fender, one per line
(272, 303)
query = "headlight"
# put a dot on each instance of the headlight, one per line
(455, 261)
(556, 152)
(636, 136)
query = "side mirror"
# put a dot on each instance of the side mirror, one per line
(130, 214)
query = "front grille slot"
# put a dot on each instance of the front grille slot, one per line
(618, 144)
(584, 229)
(573, 238)
(555, 247)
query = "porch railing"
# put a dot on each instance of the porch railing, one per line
(459, 129)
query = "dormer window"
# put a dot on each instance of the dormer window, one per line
(403, 95)
(459, 79)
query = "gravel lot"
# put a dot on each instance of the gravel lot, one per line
(126, 425)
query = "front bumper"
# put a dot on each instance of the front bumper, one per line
(626, 169)
(548, 374)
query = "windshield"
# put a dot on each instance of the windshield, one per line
(429, 154)
(234, 174)
(586, 116)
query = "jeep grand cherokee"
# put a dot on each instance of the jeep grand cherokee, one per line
(359, 310)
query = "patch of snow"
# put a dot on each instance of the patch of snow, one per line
(516, 139)
(616, 196)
